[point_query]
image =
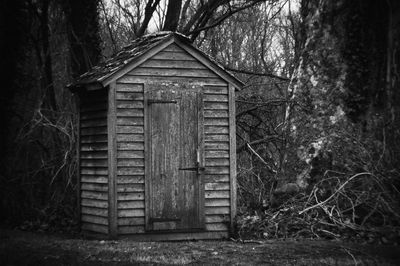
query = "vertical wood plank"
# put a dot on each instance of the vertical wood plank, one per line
(169, 191)
(78, 159)
(174, 135)
(232, 152)
(147, 166)
(112, 161)
(202, 155)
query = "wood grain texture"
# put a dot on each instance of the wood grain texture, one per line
(94, 187)
(135, 204)
(173, 55)
(131, 212)
(131, 221)
(217, 218)
(93, 161)
(217, 203)
(217, 194)
(217, 157)
(217, 210)
(172, 64)
(130, 171)
(92, 219)
(95, 211)
(112, 160)
(95, 195)
(174, 142)
(130, 196)
(131, 179)
(130, 112)
(95, 203)
(174, 79)
(174, 72)
(131, 187)
(94, 179)
(213, 178)
(130, 154)
(129, 87)
(232, 152)
(147, 159)
(78, 159)
(94, 139)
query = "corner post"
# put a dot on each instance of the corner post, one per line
(232, 154)
(78, 158)
(112, 161)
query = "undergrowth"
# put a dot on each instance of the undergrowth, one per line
(362, 206)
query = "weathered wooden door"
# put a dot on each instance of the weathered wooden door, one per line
(175, 158)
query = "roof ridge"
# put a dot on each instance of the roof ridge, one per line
(132, 51)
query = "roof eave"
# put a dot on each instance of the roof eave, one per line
(85, 86)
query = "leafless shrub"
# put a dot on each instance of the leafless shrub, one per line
(42, 166)
(342, 203)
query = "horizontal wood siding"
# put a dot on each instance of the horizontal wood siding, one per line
(130, 158)
(173, 64)
(93, 162)
(216, 130)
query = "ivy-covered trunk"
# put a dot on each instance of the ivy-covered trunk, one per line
(346, 111)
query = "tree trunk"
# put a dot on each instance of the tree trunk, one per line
(344, 87)
(173, 14)
(83, 33)
(49, 100)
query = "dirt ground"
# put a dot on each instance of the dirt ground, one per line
(27, 248)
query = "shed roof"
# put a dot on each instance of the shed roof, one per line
(126, 58)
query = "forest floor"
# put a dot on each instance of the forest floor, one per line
(27, 248)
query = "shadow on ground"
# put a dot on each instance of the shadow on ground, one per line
(26, 248)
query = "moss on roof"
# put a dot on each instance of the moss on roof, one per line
(129, 53)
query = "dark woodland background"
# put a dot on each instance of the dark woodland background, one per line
(318, 121)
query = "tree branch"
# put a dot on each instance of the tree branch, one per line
(223, 17)
(129, 14)
(109, 27)
(259, 141)
(256, 73)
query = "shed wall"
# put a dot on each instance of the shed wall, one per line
(93, 161)
(173, 64)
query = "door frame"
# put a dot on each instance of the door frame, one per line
(147, 146)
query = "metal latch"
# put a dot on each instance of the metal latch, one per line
(196, 168)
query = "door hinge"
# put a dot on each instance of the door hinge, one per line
(160, 101)
(160, 220)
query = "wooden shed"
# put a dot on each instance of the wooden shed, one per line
(157, 151)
